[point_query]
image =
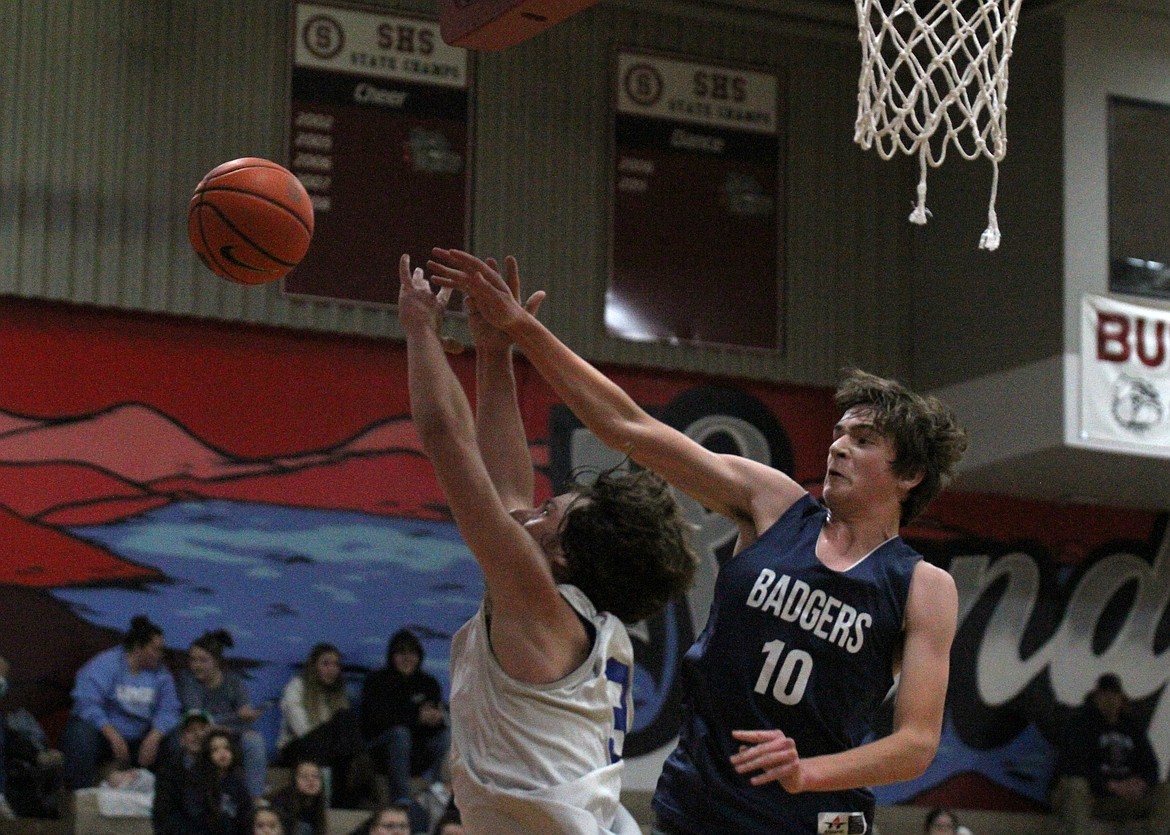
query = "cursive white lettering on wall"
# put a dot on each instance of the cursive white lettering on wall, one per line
(1001, 671)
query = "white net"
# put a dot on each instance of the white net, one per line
(934, 74)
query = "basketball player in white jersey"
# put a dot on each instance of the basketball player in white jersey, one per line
(542, 674)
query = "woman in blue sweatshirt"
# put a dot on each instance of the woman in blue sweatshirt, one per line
(124, 703)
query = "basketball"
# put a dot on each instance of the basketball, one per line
(250, 220)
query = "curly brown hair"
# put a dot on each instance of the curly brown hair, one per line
(927, 437)
(627, 544)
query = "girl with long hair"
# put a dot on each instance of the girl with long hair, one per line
(301, 804)
(224, 797)
(318, 724)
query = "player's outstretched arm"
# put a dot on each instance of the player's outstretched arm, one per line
(499, 426)
(751, 493)
(536, 635)
(931, 612)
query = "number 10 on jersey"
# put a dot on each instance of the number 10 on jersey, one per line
(790, 681)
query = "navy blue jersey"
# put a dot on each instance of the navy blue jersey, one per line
(792, 645)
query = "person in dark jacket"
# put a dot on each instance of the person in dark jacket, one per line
(1106, 767)
(402, 717)
(171, 814)
(203, 793)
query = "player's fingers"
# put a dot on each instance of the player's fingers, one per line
(512, 271)
(492, 280)
(767, 777)
(766, 761)
(765, 753)
(749, 760)
(465, 261)
(778, 774)
(756, 736)
(437, 268)
(534, 302)
(443, 296)
(404, 269)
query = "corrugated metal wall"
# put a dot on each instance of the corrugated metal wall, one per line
(111, 111)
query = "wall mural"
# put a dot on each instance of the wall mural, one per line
(271, 483)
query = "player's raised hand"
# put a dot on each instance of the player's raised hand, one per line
(418, 306)
(772, 754)
(495, 298)
(486, 336)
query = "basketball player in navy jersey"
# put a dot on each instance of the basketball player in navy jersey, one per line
(541, 676)
(822, 604)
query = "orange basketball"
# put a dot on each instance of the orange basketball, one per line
(250, 220)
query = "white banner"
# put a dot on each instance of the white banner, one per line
(1125, 373)
(373, 43)
(705, 94)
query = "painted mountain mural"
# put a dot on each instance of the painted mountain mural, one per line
(126, 511)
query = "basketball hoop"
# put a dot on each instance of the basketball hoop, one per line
(934, 73)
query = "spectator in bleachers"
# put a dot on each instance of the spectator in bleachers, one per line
(943, 822)
(386, 820)
(207, 685)
(124, 703)
(301, 804)
(223, 801)
(6, 813)
(1106, 767)
(318, 724)
(266, 821)
(171, 813)
(31, 773)
(402, 717)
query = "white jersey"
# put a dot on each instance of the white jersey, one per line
(542, 759)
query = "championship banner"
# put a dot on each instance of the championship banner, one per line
(697, 204)
(379, 135)
(1125, 374)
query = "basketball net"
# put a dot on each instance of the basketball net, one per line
(934, 73)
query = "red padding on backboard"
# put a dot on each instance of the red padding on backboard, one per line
(497, 24)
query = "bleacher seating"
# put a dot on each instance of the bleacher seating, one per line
(891, 820)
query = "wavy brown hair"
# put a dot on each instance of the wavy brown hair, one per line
(627, 544)
(926, 436)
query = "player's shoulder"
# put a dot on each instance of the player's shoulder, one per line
(928, 574)
(933, 597)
